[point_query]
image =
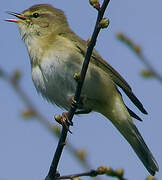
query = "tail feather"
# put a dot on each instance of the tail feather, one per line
(120, 116)
(142, 150)
(132, 135)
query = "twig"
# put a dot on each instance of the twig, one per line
(52, 175)
(100, 171)
(52, 172)
(137, 50)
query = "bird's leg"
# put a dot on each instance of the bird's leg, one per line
(64, 119)
(80, 105)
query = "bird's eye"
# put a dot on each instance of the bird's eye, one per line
(36, 15)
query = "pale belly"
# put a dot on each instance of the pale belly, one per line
(55, 81)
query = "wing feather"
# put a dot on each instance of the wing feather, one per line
(97, 59)
(119, 81)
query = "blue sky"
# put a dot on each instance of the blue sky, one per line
(27, 147)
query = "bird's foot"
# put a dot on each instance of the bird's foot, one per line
(64, 120)
(80, 104)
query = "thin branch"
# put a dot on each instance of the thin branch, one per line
(137, 50)
(88, 55)
(52, 172)
(100, 171)
(52, 175)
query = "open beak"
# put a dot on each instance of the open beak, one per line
(19, 16)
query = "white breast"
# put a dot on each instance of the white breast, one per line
(53, 78)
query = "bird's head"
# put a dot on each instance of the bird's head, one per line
(39, 20)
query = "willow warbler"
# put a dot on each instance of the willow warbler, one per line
(57, 53)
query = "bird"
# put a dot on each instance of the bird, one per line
(57, 53)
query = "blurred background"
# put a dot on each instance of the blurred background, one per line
(27, 146)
